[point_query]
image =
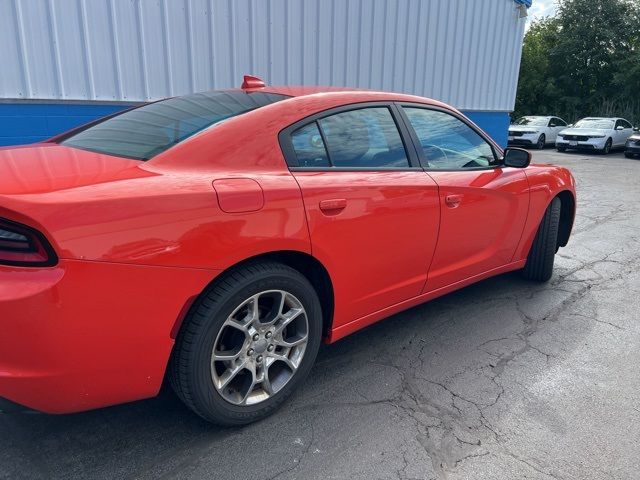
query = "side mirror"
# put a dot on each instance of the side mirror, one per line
(619, 127)
(570, 125)
(636, 129)
(516, 157)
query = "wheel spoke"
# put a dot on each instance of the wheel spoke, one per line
(225, 356)
(228, 375)
(287, 318)
(252, 369)
(266, 383)
(290, 343)
(276, 357)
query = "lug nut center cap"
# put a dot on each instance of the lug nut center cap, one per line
(260, 346)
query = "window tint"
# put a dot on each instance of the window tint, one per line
(625, 124)
(367, 138)
(560, 122)
(309, 147)
(151, 129)
(447, 142)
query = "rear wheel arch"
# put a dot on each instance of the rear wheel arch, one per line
(309, 266)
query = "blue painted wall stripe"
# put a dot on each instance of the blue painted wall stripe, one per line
(22, 123)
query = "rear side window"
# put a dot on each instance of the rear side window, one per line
(151, 129)
(362, 138)
(309, 147)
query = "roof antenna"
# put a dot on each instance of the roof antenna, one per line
(252, 82)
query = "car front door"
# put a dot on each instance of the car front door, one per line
(555, 125)
(373, 213)
(483, 204)
(624, 133)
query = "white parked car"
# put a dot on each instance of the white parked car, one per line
(595, 133)
(535, 131)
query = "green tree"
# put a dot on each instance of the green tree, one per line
(584, 61)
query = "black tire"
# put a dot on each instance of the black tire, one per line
(607, 147)
(539, 264)
(190, 367)
(628, 154)
(561, 149)
(542, 141)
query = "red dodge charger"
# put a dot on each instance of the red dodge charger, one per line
(219, 238)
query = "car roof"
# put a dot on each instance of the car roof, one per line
(302, 90)
(602, 118)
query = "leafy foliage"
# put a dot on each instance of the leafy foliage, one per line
(585, 61)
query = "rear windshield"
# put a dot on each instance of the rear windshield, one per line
(146, 131)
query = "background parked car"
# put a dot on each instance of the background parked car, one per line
(535, 130)
(595, 133)
(632, 147)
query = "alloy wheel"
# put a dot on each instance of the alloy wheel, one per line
(260, 347)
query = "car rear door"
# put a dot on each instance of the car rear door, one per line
(483, 204)
(373, 213)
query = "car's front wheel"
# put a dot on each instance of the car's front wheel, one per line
(542, 140)
(540, 260)
(247, 344)
(628, 154)
(607, 147)
(561, 149)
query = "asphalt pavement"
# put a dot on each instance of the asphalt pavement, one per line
(505, 379)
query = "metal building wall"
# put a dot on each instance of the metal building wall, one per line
(465, 52)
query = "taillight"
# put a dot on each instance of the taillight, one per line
(22, 245)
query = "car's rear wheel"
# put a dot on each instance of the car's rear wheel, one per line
(607, 147)
(247, 344)
(539, 264)
(542, 140)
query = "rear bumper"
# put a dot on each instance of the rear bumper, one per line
(84, 335)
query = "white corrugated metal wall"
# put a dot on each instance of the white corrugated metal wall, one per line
(465, 52)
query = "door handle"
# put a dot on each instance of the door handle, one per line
(333, 206)
(453, 201)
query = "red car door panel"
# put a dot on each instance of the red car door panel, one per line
(378, 242)
(373, 213)
(482, 217)
(483, 205)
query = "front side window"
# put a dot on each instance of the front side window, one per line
(625, 124)
(363, 138)
(448, 143)
(151, 129)
(560, 123)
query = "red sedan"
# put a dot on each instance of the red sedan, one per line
(219, 238)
